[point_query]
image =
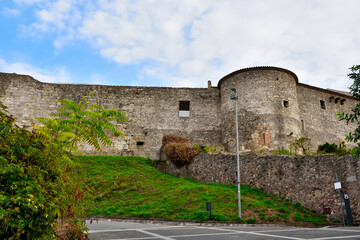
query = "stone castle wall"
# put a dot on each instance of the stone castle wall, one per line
(263, 120)
(308, 180)
(273, 110)
(152, 112)
(321, 124)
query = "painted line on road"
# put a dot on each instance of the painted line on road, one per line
(131, 229)
(256, 233)
(340, 229)
(205, 234)
(146, 238)
(338, 237)
(283, 230)
(155, 235)
(227, 231)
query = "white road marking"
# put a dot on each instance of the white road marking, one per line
(133, 238)
(283, 230)
(131, 229)
(255, 233)
(228, 231)
(343, 230)
(155, 235)
(339, 237)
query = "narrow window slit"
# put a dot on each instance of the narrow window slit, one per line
(286, 103)
(322, 104)
(140, 143)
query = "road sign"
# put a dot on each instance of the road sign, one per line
(337, 185)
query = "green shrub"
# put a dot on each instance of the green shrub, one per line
(32, 187)
(250, 221)
(333, 148)
(319, 219)
(282, 151)
(201, 216)
(262, 216)
(297, 205)
(239, 220)
(39, 198)
(328, 148)
(282, 210)
(203, 149)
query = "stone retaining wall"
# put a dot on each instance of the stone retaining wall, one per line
(308, 180)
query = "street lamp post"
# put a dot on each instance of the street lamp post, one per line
(234, 96)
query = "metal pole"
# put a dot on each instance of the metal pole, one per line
(342, 211)
(237, 158)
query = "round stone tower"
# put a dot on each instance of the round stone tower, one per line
(268, 111)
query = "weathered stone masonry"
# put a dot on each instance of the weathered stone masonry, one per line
(274, 110)
(308, 180)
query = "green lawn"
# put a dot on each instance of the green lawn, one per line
(129, 187)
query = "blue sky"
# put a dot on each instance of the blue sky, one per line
(178, 43)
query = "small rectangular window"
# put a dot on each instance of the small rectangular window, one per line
(184, 109)
(322, 104)
(184, 106)
(302, 125)
(286, 103)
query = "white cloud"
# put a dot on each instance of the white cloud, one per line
(11, 12)
(59, 16)
(56, 75)
(190, 41)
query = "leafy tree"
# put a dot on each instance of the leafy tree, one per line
(38, 196)
(355, 112)
(83, 121)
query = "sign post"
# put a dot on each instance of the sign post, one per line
(350, 220)
(208, 208)
(338, 187)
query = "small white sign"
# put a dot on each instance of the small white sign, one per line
(183, 113)
(337, 185)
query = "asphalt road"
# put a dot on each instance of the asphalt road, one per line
(111, 230)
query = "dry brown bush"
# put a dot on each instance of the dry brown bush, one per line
(170, 138)
(180, 153)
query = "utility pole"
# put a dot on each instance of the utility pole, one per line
(234, 96)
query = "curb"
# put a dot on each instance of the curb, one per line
(182, 223)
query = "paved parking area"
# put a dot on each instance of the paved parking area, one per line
(113, 230)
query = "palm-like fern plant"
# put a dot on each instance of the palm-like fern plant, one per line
(74, 123)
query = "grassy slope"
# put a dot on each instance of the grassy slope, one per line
(131, 187)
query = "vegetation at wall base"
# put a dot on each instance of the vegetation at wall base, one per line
(177, 150)
(130, 187)
(35, 185)
(282, 151)
(333, 148)
(39, 198)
